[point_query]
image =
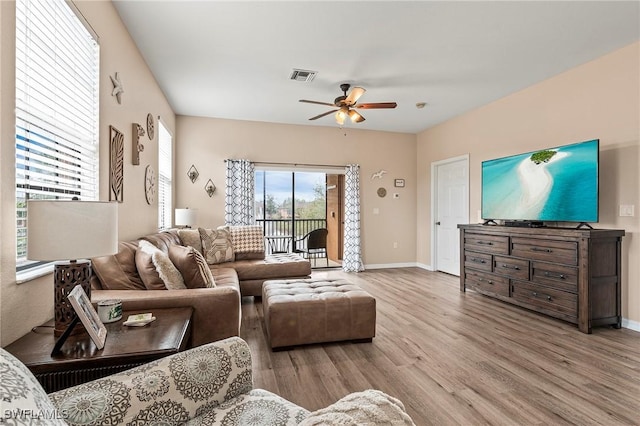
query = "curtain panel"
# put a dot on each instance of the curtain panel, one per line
(352, 256)
(240, 193)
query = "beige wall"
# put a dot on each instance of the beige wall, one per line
(207, 142)
(26, 305)
(598, 100)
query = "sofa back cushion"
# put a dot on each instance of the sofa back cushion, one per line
(164, 239)
(118, 271)
(192, 266)
(190, 237)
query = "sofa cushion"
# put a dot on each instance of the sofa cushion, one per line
(190, 237)
(248, 241)
(273, 266)
(163, 239)
(216, 245)
(225, 277)
(155, 268)
(192, 266)
(118, 271)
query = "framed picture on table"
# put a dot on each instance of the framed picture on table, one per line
(88, 316)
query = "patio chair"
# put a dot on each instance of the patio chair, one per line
(313, 245)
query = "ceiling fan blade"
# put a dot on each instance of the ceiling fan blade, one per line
(355, 116)
(376, 105)
(316, 102)
(323, 114)
(355, 94)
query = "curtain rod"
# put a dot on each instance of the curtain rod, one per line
(268, 163)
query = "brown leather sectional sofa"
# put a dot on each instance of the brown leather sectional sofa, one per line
(217, 312)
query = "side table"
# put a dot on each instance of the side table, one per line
(79, 360)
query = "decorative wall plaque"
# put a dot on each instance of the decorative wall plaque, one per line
(151, 127)
(116, 164)
(118, 89)
(210, 188)
(138, 132)
(193, 173)
(149, 184)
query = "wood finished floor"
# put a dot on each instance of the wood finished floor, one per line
(459, 358)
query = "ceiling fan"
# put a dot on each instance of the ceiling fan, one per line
(346, 105)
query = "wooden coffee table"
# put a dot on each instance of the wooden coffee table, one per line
(126, 347)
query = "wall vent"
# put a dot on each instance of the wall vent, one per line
(302, 75)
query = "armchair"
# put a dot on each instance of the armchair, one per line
(208, 385)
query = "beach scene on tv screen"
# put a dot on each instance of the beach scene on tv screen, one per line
(556, 184)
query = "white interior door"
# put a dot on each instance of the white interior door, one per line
(450, 207)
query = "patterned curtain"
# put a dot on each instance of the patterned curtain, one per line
(240, 191)
(352, 259)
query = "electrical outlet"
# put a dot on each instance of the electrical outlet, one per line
(627, 210)
(395, 244)
(376, 210)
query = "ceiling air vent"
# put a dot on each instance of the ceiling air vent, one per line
(302, 75)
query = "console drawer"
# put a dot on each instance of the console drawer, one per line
(561, 277)
(550, 250)
(485, 282)
(477, 261)
(555, 301)
(486, 243)
(514, 268)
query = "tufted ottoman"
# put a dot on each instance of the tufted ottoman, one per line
(301, 311)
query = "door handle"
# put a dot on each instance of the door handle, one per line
(438, 223)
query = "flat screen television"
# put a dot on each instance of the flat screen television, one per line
(555, 184)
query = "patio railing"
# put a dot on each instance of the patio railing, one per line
(285, 228)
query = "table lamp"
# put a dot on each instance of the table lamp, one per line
(186, 217)
(65, 231)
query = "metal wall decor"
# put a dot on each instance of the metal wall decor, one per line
(116, 164)
(118, 89)
(210, 188)
(149, 184)
(137, 147)
(193, 174)
(151, 127)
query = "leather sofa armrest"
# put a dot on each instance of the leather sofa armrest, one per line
(216, 311)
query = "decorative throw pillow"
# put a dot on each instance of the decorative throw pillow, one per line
(248, 241)
(192, 266)
(216, 245)
(155, 268)
(190, 237)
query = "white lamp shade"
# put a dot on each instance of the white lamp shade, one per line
(186, 217)
(68, 230)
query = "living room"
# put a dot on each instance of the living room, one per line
(598, 99)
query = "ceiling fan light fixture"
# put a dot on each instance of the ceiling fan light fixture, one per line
(341, 115)
(355, 116)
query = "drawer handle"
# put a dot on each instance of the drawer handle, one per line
(475, 259)
(536, 295)
(542, 250)
(488, 281)
(504, 265)
(486, 243)
(561, 276)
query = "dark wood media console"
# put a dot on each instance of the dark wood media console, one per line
(570, 274)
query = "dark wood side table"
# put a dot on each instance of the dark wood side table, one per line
(126, 347)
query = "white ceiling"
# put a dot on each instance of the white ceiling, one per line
(233, 59)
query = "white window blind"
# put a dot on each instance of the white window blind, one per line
(57, 75)
(165, 143)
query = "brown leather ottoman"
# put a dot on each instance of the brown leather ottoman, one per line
(302, 311)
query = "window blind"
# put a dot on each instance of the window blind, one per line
(57, 110)
(165, 142)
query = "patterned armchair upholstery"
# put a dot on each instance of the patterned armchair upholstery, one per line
(207, 385)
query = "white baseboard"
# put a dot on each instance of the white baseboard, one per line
(631, 325)
(390, 265)
(423, 266)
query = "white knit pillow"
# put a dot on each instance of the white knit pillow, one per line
(169, 274)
